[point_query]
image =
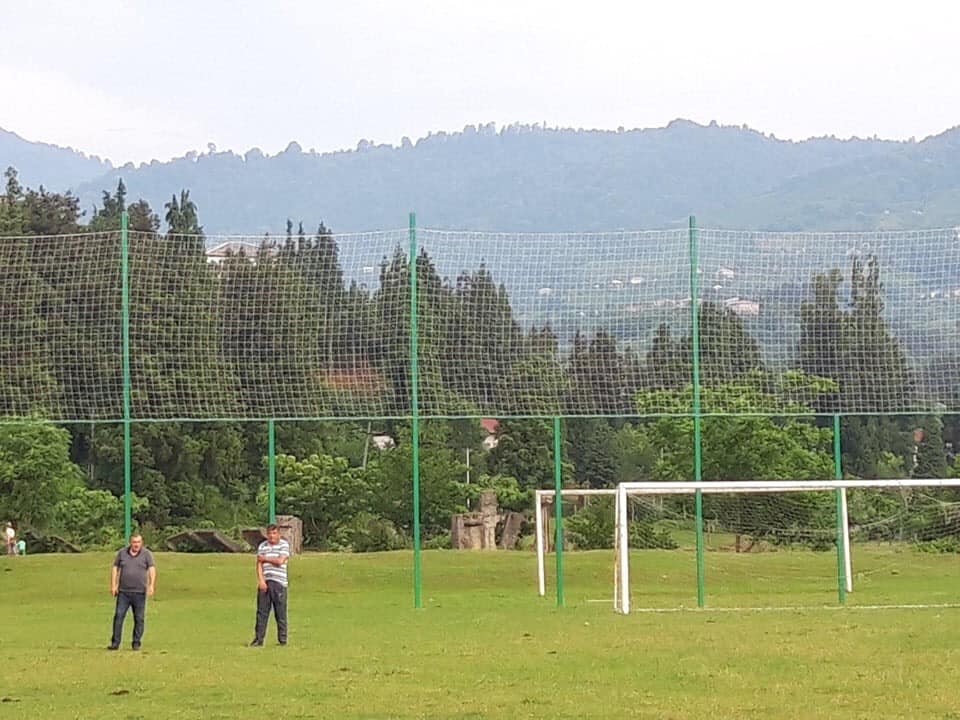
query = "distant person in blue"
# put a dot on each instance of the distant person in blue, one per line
(272, 556)
(133, 578)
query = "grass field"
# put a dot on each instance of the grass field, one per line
(485, 645)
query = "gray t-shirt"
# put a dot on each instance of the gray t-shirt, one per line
(133, 569)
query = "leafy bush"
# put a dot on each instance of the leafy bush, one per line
(592, 528)
(368, 533)
(438, 542)
(944, 545)
(510, 496)
(93, 518)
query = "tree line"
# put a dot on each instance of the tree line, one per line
(285, 334)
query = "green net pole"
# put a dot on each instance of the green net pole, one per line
(415, 413)
(841, 539)
(697, 430)
(125, 339)
(271, 472)
(558, 508)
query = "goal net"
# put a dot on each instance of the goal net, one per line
(787, 543)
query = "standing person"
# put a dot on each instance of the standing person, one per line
(132, 580)
(10, 537)
(272, 556)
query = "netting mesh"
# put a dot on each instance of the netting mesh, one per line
(546, 324)
(877, 312)
(60, 327)
(296, 327)
(785, 548)
(508, 324)
(757, 522)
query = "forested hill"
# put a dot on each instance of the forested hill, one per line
(57, 168)
(526, 178)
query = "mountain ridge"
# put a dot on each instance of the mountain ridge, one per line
(533, 178)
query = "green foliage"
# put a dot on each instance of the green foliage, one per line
(344, 350)
(368, 533)
(525, 451)
(590, 441)
(510, 496)
(740, 446)
(442, 487)
(321, 490)
(93, 517)
(35, 472)
(944, 545)
(931, 458)
(633, 454)
(188, 472)
(592, 527)
(877, 446)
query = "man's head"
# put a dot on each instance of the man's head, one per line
(273, 534)
(136, 542)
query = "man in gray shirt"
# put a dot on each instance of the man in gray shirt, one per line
(132, 579)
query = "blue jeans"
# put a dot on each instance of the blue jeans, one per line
(125, 601)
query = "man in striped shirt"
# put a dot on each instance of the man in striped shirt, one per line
(272, 556)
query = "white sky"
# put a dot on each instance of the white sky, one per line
(136, 80)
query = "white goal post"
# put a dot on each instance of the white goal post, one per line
(622, 569)
(539, 495)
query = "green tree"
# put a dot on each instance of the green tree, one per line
(524, 451)
(12, 211)
(823, 341)
(879, 378)
(739, 446)
(590, 441)
(442, 490)
(35, 472)
(182, 217)
(931, 458)
(323, 491)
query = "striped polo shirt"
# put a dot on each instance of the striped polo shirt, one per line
(275, 573)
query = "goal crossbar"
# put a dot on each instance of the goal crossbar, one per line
(621, 543)
(773, 486)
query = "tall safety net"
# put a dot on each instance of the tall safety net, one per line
(508, 324)
(685, 353)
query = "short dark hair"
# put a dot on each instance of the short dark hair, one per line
(272, 526)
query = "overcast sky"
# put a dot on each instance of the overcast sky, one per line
(143, 79)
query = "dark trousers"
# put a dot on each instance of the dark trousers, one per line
(274, 596)
(125, 601)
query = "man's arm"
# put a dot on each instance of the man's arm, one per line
(261, 583)
(114, 580)
(151, 580)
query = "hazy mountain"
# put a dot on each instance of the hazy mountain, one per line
(54, 167)
(525, 178)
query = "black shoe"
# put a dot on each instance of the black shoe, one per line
(282, 642)
(135, 646)
(113, 647)
(256, 643)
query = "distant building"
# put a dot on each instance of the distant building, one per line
(490, 426)
(233, 248)
(741, 307)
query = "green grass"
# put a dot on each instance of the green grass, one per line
(486, 646)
